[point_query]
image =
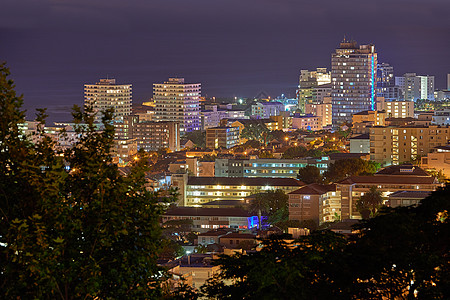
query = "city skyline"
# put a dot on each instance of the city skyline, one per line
(234, 49)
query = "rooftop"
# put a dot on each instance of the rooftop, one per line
(404, 169)
(207, 211)
(237, 235)
(213, 233)
(389, 179)
(244, 181)
(315, 189)
(365, 136)
(410, 194)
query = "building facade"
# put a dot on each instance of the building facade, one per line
(312, 86)
(307, 122)
(416, 87)
(353, 79)
(315, 202)
(205, 219)
(352, 188)
(176, 101)
(149, 135)
(360, 144)
(267, 167)
(394, 145)
(107, 94)
(321, 109)
(264, 110)
(201, 190)
(222, 137)
(399, 109)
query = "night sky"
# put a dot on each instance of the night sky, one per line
(234, 48)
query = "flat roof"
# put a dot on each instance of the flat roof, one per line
(207, 211)
(245, 181)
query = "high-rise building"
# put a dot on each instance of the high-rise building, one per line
(309, 86)
(386, 87)
(177, 101)
(427, 87)
(416, 87)
(385, 75)
(353, 79)
(106, 94)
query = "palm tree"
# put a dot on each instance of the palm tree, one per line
(259, 205)
(369, 203)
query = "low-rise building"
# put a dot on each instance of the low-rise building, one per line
(265, 110)
(199, 190)
(197, 266)
(225, 137)
(407, 198)
(237, 240)
(124, 150)
(439, 160)
(321, 109)
(360, 144)
(267, 167)
(375, 117)
(399, 109)
(388, 181)
(206, 219)
(315, 202)
(307, 122)
(441, 117)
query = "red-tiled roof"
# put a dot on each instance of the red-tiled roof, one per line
(315, 189)
(244, 181)
(404, 169)
(389, 179)
(213, 233)
(236, 235)
(410, 194)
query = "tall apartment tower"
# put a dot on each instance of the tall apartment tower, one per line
(427, 87)
(353, 80)
(106, 94)
(177, 101)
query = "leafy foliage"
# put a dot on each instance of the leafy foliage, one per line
(295, 152)
(369, 203)
(310, 174)
(350, 167)
(87, 233)
(402, 253)
(198, 137)
(256, 131)
(273, 204)
(279, 271)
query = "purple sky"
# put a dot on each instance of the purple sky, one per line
(233, 47)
